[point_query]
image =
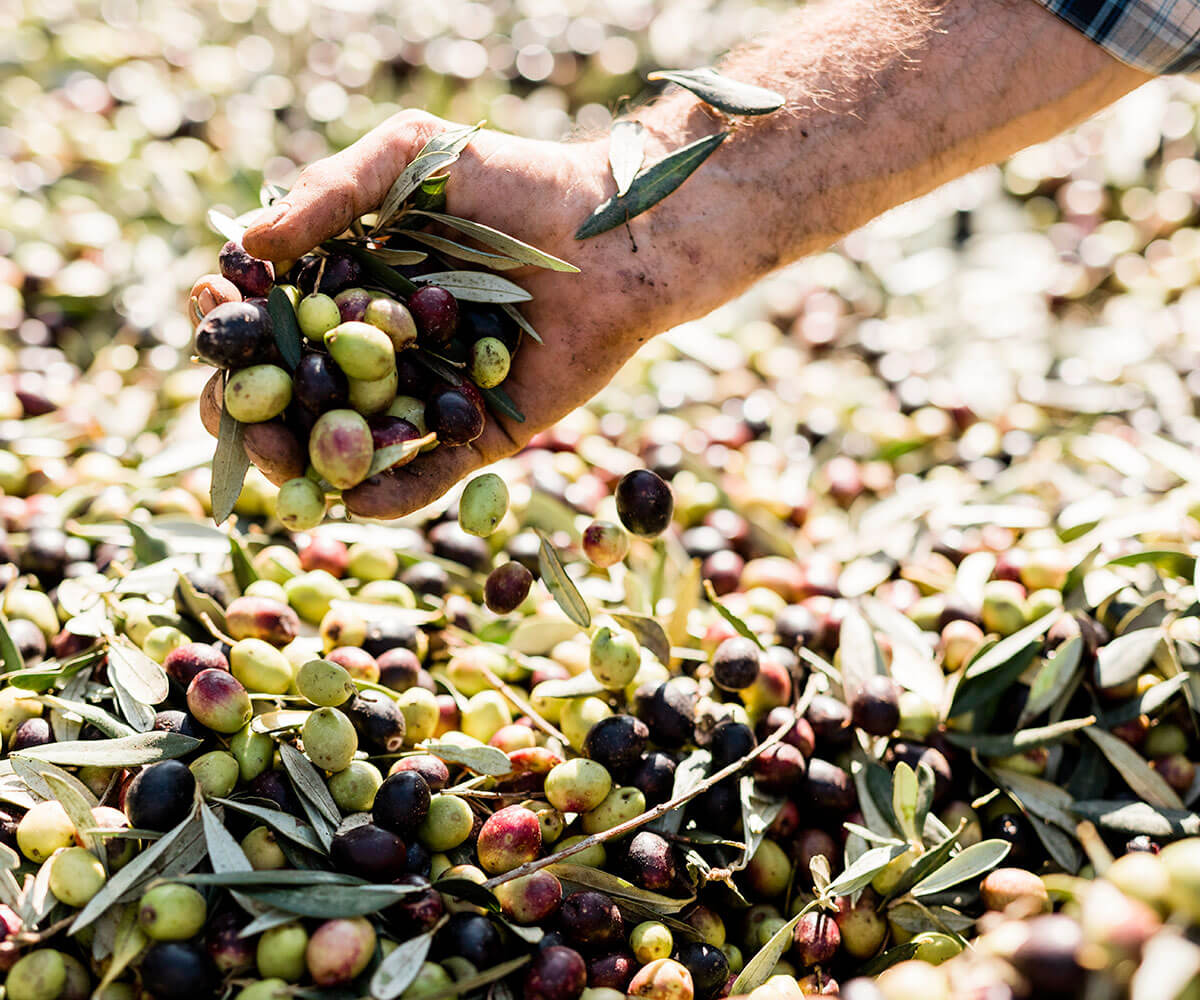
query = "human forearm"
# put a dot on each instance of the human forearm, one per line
(885, 101)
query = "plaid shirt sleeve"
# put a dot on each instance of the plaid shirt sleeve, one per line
(1157, 36)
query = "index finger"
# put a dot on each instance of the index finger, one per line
(333, 192)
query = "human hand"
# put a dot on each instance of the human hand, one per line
(591, 322)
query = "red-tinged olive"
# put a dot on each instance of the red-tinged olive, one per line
(252, 276)
(556, 973)
(435, 311)
(454, 416)
(506, 587)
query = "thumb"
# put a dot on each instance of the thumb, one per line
(333, 192)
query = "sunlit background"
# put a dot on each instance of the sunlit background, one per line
(1052, 293)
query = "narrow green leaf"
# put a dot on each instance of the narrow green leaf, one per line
(147, 547)
(10, 655)
(502, 402)
(689, 772)
(626, 152)
(399, 258)
(995, 669)
(78, 808)
(286, 327)
(469, 984)
(1126, 656)
(1136, 818)
(331, 902)
(282, 823)
(619, 888)
(924, 865)
(510, 246)
(397, 972)
(731, 96)
(180, 850)
(225, 226)
(858, 875)
(128, 751)
(142, 676)
(229, 467)
(240, 878)
(739, 626)
(650, 187)
(1148, 703)
(393, 454)
(580, 686)
(1002, 744)
(1054, 676)
(649, 633)
(969, 863)
(476, 286)
(562, 588)
(308, 784)
(431, 195)
(1147, 783)
(438, 153)
(482, 760)
(199, 605)
(375, 269)
(758, 970)
(244, 572)
(106, 722)
(472, 892)
(859, 653)
(460, 251)
(893, 956)
(515, 314)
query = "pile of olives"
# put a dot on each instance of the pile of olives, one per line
(359, 385)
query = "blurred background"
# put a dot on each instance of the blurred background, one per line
(1039, 310)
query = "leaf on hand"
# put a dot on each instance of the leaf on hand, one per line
(626, 151)
(385, 458)
(731, 96)
(502, 402)
(476, 286)
(510, 246)
(221, 223)
(515, 315)
(650, 187)
(437, 154)
(497, 262)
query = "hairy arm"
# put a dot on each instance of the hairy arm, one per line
(886, 99)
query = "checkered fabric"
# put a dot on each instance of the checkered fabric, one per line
(1158, 36)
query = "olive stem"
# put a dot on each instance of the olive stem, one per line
(546, 727)
(650, 814)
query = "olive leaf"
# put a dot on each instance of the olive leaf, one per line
(1137, 818)
(128, 942)
(221, 223)
(758, 813)
(469, 984)
(861, 872)
(1053, 678)
(476, 286)
(1146, 703)
(460, 251)
(271, 878)
(229, 467)
(431, 195)
(330, 902)
(1002, 744)
(739, 626)
(499, 400)
(147, 547)
(509, 246)
(562, 588)
(515, 315)
(284, 824)
(758, 970)
(1126, 656)
(127, 751)
(885, 960)
(286, 327)
(142, 676)
(399, 258)
(649, 187)
(318, 804)
(969, 863)
(200, 605)
(993, 670)
(471, 892)
(731, 96)
(10, 654)
(482, 759)
(1147, 783)
(375, 270)
(438, 153)
(397, 972)
(78, 808)
(626, 152)
(904, 801)
(176, 853)
(689, 773)
(649, 633)
(385, 458)
(580, 686)
(859, 652)
(613, 885)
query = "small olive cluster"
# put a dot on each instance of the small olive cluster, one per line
(373, 371)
